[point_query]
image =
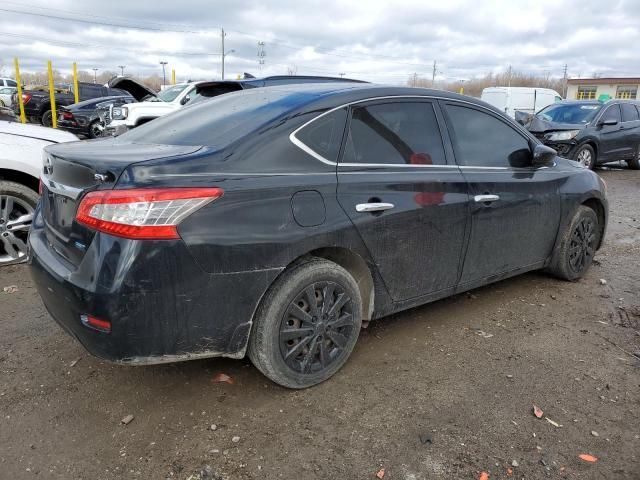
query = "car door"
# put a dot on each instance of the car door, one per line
(515, 207)
(409, 205)
(612, 137)
(631, 130)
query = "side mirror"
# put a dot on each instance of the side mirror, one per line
(543, 156)
(185, 99)
(608, 123)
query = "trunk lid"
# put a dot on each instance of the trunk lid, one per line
(72, 170)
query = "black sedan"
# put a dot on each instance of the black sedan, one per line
(591, 132)
(83, 118)
(275, 222)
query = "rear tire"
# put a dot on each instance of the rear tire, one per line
(307, 324)
(586, 156)
(17, 204)
(577, 246)
(46, 119)
(634, 164)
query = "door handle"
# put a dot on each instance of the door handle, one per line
(374, 207)
(486, 198)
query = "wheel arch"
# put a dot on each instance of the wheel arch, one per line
(593, 143)
(358, 268)
(597, 206)
(20, 177)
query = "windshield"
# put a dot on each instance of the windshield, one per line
(170, 94)
(578, 113)
(219, 121)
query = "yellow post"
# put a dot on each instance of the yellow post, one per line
(461, 91)
(173, 76)
(23, 118)
(52, 96)
(76, 92)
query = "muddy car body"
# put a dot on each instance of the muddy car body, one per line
(296, 214)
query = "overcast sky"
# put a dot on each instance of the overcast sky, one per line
(373, 40)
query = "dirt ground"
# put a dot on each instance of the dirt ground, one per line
(442, 391)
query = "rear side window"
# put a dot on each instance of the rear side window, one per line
(481, 140)
(324, 134)
(629, 112)
(394, 133)
(11, 83)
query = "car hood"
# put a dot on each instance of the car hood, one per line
(36, 131)
(539, 125)
(136, 89)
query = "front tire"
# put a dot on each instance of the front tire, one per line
(96, 129)
(586, 156)
(577, 246)
(307, 324)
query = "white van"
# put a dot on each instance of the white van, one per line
(523, 99)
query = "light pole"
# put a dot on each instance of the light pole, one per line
(122, 67)
(163, 63)
(342, 74)
(95, 70)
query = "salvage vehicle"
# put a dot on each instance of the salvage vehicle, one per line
(175, 97)
(20, 167)
(5, 96)
(83, 118)
(37, 104)
(591, 132)
(8, 82)
(277, 222)
(519, 99)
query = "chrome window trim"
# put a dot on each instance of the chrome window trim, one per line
(298, 143)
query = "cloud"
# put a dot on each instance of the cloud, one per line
(375, 40)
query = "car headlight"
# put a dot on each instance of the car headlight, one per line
(558, 136)
(119, 113)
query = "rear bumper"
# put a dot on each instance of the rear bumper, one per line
(162, 306)
(73, 128)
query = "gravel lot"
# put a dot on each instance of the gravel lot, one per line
(441, 391)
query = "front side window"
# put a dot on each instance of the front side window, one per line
(612, 113)
(324, 134)
(481, 140)
(394, 133)
(629, 112)
(586, 93)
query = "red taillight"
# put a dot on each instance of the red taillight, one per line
(67, 115)
(142, 213)
(95, 323)
(25, 98)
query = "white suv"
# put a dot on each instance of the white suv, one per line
(135, 114)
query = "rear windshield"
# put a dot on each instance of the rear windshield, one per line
(218, 121)
(578, 113)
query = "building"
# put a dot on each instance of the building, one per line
(602, 88)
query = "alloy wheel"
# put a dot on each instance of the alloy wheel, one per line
(97, 129)
(585, 158)
(582, 247)
(316, 328)
(16, 216)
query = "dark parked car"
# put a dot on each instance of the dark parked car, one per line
(37, 104)
(591, 132)
(83, 118)
(273, 222)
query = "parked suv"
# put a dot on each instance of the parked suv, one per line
(8, 82)
(274, 222)
(591, 132)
